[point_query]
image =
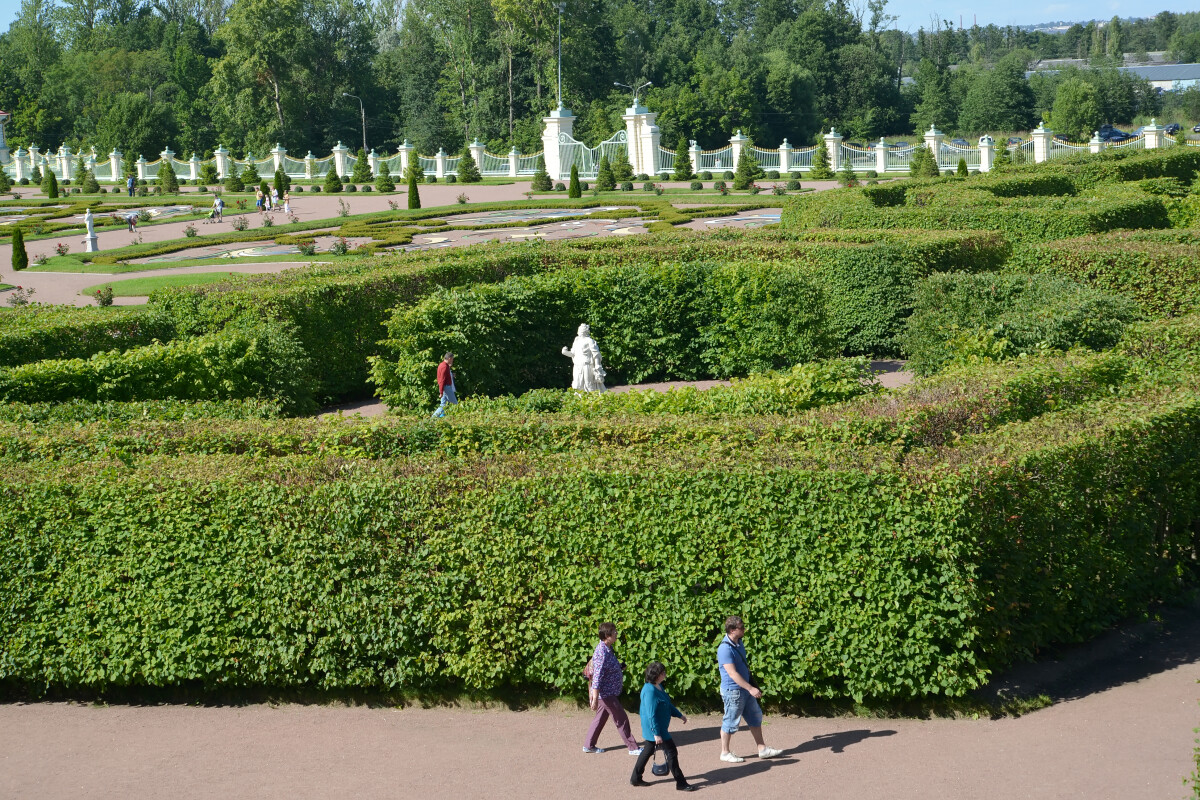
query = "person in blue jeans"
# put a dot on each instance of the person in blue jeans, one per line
(129, 185)
(739, 693)
(656, 712)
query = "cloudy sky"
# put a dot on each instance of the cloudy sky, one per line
(914, 14)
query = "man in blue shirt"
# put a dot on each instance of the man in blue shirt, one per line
(739, 694)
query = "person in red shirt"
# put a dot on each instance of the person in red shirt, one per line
(445, 383)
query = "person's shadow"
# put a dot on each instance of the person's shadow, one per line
(835, 742)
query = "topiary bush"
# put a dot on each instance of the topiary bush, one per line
(166, 178)
(362, 168)
(20, 257)
(821, 170)
(468, 170)
(606, 181)
(541, 178)
(383, 181)
(706, 176)
(696, 186)
(333, 183)
(50, 185)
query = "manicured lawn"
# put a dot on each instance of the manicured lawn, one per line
(139, 287)
(5, 286)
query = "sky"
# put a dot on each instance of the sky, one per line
(914, 14)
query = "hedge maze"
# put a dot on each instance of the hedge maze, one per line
(176, 517)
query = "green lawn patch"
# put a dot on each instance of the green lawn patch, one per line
(140, 287)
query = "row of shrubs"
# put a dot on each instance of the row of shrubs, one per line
(908, 572)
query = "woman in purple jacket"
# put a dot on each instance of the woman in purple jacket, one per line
(604, 696)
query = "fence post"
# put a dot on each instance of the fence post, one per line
(1154, 135)
(403, 151)
(221, 156)
(440, 159)
(33, 156)
(560, 121)
(64, 162)
(642, 138)
(19, 165)
(194, 163)
(1041, 143)
(168, 157)
(339, 159)
(278, 153)
(987, 153)
(141, 168)
(881, 151)
(785, 159)
(477, 147)
(933, 140)
(738, 143)
(514, 159)
(310, 166)
(373, 161)
(1095, 144)
(833, 146)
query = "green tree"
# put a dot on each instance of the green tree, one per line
(748, 169)
(820, 163)
(208, 174)
(961, 170)
(846, 176)
(383, 181)
(362, 168)
(265, 188)
(541, 179)
(50, 184)
(683, 162)
(999, 99)
(622, 169)
(233, 182)
(88, 181)
(573, 189)
(282, 182)
(333, 182)
(20, 258)
(250, 175)
(414, 194)
(468, 170)
(1076, 111)
(166, 178)
(414, 167)
(5, 181)
(605, 180)
(923, 164)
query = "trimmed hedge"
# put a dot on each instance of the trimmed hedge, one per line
(76, 411)
(241, 361)
(40, 332)
(959, 316)
(1161, 272)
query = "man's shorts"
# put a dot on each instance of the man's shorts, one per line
(739, 705)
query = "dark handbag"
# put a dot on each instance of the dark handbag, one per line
(657, 768)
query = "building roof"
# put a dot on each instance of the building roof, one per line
(1160, 72)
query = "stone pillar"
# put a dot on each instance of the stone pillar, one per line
(278, 153)
(833, 146)
(373, 160)
(881, 151)
(194, 165)
(987, 153)
(440, 162)
(141, 168)
(933, 141)
(738, 142)
(403, 151)
(168, 158)
(560, 121)
(514, 162)
(339, 159)
(33, 159)
(114, 161)
(1155, 135)
(694, 155)
(64, 162)
(1041, 143)
(91, 162)
(1095, 144)
(643, 139)
(310, 166)
(221, 156)
(19, 165)
(477, 147)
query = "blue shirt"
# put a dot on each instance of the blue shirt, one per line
(656, 712)
(729, 653)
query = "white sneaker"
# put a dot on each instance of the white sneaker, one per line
(637, 752)
(769, 752)
(731, 758)
(587, 749)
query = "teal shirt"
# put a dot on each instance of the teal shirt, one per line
(656, 712)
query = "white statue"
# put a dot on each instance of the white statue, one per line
(91, 227)
(588, 374)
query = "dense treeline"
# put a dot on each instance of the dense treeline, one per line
(191, 74)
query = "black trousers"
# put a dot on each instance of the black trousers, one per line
(670, 752)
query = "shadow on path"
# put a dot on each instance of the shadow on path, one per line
(726, 773)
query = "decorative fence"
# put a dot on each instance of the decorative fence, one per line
(950, 154)
(898, 158)
(1059, 148)
(860, 158)
(767, 159)
(665, 161)
(574, 153)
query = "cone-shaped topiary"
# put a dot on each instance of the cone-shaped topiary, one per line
(923, 164)
(90, 184)
(622, 169)
(468, 170)
(233, 183)
(5, 181)
(820, 163)
(208, 174)
(333, 183)
(961, 170)
(282, 182)
(166, 178)
(606, 181)
(250, 173)
(574, 190)
(846, 176)
(414, 167)
(50, 184)
(414, 194)
(383, 181)
(541, 178)
(36, 175)
(683, 162)
(266, 191)
(20, 258)
(362, 168)
(748, 169)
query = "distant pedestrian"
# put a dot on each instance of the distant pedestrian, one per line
(258, 200)
(656, 712)
(132, 219)
(129, 185)
(604, 694)
(739, 693)
(274, 197)
(287, 202)
(218, 208)
(445, 385)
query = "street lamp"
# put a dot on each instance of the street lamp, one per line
(363, 111)
(561, 6)
(632, 89)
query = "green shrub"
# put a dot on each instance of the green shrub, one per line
(958, 317)
(414, 191)
(383, 181)
(606, 181)
(683, 162)
(961, 170)
(233, 183)
(622, 169)
(923, 164)
(90, 184)
(821, 169)
(242, 361)
(20, 256)
(1032, 185)
(846, 176)
(541, 178)
(250, 176)
(50, 185)
(362, 168)
(166, 178)
(574, 191)
(208, 174)
(80, 411)
(748, 170)
(282, 183)
(333, 182)
(468, 170)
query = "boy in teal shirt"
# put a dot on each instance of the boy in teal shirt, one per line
(656, 712)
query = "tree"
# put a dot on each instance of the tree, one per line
(999, 100)
(414, 171)
(208, 174)
(541, 179)
(961, 170)
(282, 182)
(748, 169)
(846, 176)
(605, 180)
(233, 182)
(573, 190)
(820, 163)
(20, 258)
(265, 188)
(468, 170)
(5, 181)
(622, 169)
(923, 164)
(88, 181)
(383, 180)
(683, 162)
(250, 173)
(362, 168)
(50, 184)
(333, 182)
(1076, 111)
(166, 178)
(414, 195)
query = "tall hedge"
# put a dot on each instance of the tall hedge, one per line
(36, 333)
(20, 256)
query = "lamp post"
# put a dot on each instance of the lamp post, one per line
(363, 111)
(632, 89)
(561, 6)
